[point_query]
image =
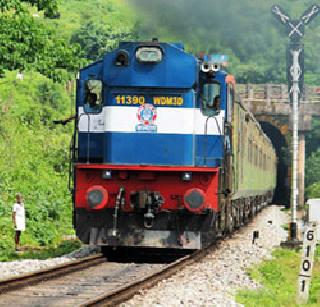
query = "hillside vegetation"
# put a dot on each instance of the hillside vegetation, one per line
(34, 151)
(34, 157)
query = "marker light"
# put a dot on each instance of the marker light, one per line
(149, 54)
(106, 174)
(187, 176)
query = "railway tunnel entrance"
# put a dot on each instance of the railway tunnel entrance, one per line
(270, 104)
(282, 191)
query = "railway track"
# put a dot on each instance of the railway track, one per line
(121, 295)
(92, 281)
(29, 279)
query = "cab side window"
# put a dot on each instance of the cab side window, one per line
(93, 96)
(211, 101)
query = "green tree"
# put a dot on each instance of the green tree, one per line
(313, 137)
(35, 157)
(96, 38)
(313, 168)
(26, 43)
(313, 191)
(49, 7)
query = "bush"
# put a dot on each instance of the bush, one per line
(34, 158)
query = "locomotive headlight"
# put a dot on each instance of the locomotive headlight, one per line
(94, 198)
(186, 176)
(194, 200)
(149, 54)
(97, 197)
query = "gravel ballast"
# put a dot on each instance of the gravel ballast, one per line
(211, 282)
(215, 280)
(19, 267)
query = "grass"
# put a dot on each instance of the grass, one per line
(75, 13)
(279, 278)
(63, 248)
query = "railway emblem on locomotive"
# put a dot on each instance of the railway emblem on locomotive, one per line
(147, 114)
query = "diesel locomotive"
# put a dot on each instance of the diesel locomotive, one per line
(164, 153)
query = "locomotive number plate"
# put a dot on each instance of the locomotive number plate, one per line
(155, 100)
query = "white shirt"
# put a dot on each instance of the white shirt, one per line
(20, 217)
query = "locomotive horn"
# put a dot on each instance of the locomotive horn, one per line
(215, 67)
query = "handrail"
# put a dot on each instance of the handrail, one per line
(88, 136)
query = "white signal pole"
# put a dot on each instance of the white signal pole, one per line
(295, 31)
(295, 72)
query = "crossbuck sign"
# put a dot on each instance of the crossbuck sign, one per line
(295, 28)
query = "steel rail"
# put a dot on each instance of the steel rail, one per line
(21, 281)
(127, 292)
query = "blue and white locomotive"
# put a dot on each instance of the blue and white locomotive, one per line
(154, 162)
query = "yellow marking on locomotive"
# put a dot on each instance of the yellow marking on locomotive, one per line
(128, 99)
(157, 101)
(168, 101)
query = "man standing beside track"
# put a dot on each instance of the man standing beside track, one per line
(18, 218)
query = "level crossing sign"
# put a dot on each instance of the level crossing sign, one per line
(295, 28)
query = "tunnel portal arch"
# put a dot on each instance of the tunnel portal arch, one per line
(282, 191)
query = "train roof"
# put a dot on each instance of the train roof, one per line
(176, 69)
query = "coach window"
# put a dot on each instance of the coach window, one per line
(211, 101)
(93, 96)
(230, 102)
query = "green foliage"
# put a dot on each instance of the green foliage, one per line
(35, 153)
(77, 13)
(50, 7)
(313, 168)
(27, 43)
(313, 137)
(34, 158)
(96, 38)
(312, 173)
(313, 191)
(279, 278)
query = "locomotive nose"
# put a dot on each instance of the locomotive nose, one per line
(97, 197)
(194, 200)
